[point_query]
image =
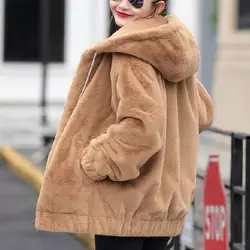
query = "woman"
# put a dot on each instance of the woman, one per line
(123, 163)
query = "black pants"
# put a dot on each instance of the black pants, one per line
(132, 243)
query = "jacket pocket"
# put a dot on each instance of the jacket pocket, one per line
(85, 178)
(108, 199)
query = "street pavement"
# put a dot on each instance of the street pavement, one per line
(17, 210)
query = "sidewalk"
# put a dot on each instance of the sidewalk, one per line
(20, 126)
(18, 203)
(219, 145)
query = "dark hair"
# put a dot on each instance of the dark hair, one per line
(114, 27)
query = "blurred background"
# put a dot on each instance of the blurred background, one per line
(40, 45)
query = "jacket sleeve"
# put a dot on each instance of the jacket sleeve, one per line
(136, 136)
(205, 108)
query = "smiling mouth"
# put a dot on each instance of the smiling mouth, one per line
(123, 15)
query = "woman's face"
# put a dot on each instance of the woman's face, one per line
(124, 12)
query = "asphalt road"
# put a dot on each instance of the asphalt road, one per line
(17, 208)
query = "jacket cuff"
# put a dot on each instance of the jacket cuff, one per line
(95, 164)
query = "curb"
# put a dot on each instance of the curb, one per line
(27, 171)
(22, 167)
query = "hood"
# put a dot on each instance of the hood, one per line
(164, 42)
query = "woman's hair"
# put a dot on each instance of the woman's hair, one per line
(113, 27)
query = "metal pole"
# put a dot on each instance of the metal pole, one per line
(236, 217)
(247, 199)
(44, 7)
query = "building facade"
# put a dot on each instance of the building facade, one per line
(232, 69)
(74, 26)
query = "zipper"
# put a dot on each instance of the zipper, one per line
(86, 83)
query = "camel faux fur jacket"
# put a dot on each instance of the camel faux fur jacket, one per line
(124, 158)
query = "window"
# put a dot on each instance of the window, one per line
(22, 30)
(244, 14)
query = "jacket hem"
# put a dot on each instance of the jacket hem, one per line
(83, 224)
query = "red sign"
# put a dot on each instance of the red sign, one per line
(214, 208)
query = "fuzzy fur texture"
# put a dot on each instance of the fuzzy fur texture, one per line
(125, 155)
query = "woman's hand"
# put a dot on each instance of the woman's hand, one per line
(90, 162)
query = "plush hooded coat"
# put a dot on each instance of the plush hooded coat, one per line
(124, 158)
